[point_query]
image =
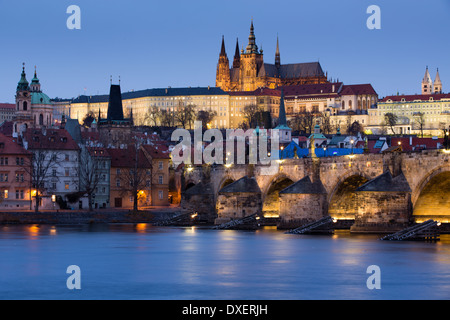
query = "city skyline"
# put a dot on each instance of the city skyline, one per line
(156, 45)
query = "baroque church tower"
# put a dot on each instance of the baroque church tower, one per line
(23, 117)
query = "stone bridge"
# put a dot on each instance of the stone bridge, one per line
(376, 191)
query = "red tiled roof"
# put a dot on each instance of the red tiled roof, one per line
(357, 89)
(98, 152)
(158, 151)
(90, 135)
(9, 145)
(10, 106)
(124, 158)
(415, 143)
(312, 89)
(7, 128)
(54, 139)
(421, 97)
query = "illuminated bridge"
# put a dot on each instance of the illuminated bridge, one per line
(375, 191)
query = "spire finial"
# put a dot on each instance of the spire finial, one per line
(110, 79)
(119, 80)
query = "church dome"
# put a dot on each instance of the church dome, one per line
(39, 98)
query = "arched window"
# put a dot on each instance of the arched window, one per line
(343, 105)
(25, 106)
(41, 120)
(350, 104)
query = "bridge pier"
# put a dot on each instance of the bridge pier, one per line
(384, 204)
(301, 203)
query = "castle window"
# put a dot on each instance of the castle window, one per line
(25, 106)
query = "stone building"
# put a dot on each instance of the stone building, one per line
(15, 192)
(33, 107)
(249, 71)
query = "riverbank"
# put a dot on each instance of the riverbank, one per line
(148, 215)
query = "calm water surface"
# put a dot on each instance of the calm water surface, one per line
(167, 263)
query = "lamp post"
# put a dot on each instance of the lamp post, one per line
(324, 151)
(351, 141)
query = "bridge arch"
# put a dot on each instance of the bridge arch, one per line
(432, 194)
(342, 198)
(270, 196)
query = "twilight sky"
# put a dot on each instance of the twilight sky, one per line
(155, 44)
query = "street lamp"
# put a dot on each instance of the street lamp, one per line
(351, 141)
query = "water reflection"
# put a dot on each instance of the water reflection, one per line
(143, 261)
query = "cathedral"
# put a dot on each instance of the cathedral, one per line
(249, 71)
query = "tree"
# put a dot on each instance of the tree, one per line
(304, 122)
(391, 120)
(89, 174)
(152, 116)
(419, 121)
(88, 119)
(327, 127)
(40, 168)
(206, 117)
(165, 118)
(185, 115)
(252, 115)
(355, 128)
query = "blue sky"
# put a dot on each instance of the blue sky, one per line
(155, 44)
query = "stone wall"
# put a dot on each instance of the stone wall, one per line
(382, 211)
(300, 209)
(237, 205)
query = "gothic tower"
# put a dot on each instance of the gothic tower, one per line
(237, 56)
(427, 84)
(251, 61)
(277, 56)
(437, 83)
(223, 69)
(23, 117)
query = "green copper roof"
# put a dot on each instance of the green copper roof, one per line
(39, 98)
(23, 83)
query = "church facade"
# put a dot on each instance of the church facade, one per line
(249, 72)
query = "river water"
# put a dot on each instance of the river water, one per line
(140, 261)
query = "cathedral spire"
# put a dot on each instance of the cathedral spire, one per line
(277, 55)
(252, 47)
(222, 50)
(237, 56)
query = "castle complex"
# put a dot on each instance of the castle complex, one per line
(249, 71)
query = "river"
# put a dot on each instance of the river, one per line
(141, 261)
